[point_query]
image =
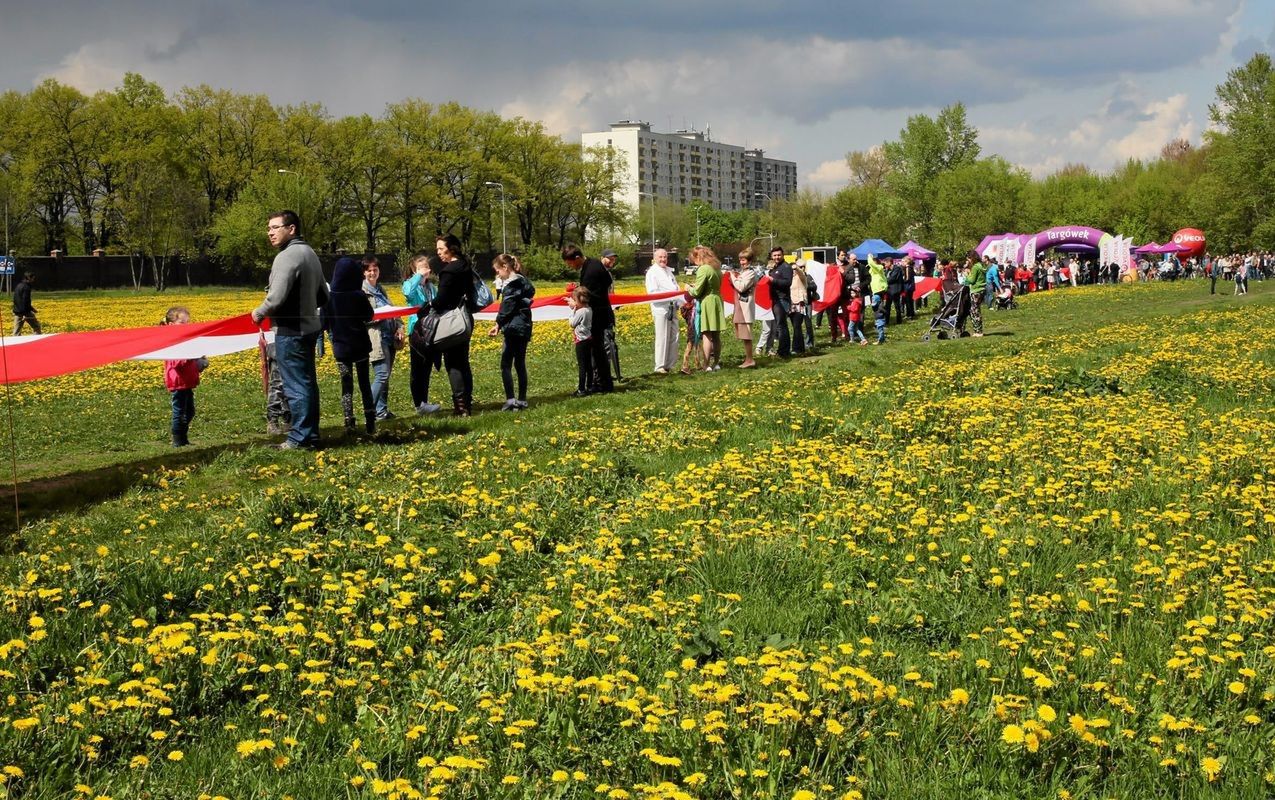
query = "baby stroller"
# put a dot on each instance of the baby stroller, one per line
(950, 321)
(1005, 299)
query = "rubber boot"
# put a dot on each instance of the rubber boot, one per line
(460, 406)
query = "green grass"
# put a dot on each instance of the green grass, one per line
(1071, 494)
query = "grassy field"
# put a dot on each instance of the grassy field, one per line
(1038, 564)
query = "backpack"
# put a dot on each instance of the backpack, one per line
(481, 297)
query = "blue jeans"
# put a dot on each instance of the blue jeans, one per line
(183, 413)
(295, 355)
(381, 379)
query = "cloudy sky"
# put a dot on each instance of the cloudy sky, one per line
(1048, 83)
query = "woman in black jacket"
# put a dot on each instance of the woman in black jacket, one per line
(909, 287)
(894, 292)
(455, 290)
(514, 321)
(346, 317)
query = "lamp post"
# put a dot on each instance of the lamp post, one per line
(296, 199)
(697, 210)
(652, 196)
(504, 241)
(770, 202)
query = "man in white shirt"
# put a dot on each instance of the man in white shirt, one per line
(660, 278)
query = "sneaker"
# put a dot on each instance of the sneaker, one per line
(277, 427)
(581, 393)
(510, 405)
(385, 415)
(428, 408)
(522, 404)
(661, 371)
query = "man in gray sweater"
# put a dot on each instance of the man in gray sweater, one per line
(296, 293)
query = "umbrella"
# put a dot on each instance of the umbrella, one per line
(1153, 247)
(1171, 248)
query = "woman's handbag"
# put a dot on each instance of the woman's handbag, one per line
(452, 328)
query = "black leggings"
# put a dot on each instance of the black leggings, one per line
(584, 365)
(419, 381)
(348, 370)
(513, 357)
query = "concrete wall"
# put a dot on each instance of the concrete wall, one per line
(112, 272)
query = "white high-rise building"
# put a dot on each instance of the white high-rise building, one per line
(685, 166)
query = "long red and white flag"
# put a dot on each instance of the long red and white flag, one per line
(30, 358)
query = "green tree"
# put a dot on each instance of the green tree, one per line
(149, 205)
(227, 139)
(1074, 195)
(975, 199)
(239, 230)
(64, 141)
(1242, 153)
(926, 148)
(359, 166)
(868, 168)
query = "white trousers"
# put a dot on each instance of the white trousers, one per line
(666, 335)
(768, 337)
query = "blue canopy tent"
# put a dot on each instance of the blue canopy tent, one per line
(877, 248)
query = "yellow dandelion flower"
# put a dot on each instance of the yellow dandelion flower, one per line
(1212, 767)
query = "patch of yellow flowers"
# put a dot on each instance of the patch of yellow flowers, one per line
(1009, 570)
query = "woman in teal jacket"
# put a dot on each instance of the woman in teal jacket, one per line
(419, 291)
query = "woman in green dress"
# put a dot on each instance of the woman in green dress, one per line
(707, 290)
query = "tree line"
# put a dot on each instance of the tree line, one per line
(134, 170)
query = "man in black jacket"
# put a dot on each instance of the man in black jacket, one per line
(780, 273)
(22, 308)
(595, 277)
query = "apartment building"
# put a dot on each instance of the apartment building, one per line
(685, 166)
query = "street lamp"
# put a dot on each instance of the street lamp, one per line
(697, 209)
(296, 199)
(652, 196)
(504, 241)
(771, 201)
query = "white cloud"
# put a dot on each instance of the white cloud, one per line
(91, 68)
(829, 176)
(1164, 120)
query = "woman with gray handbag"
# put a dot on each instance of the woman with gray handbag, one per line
(455, 321)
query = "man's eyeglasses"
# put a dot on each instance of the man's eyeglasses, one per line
(275, 227)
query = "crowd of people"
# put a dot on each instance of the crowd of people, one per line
(446, 291)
